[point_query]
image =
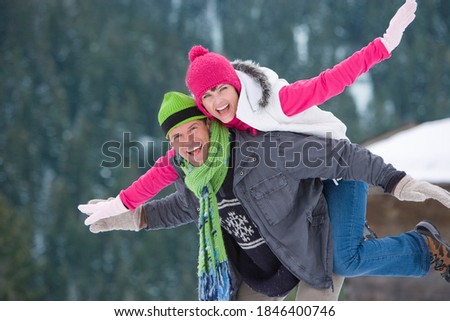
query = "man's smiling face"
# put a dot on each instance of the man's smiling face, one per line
(191, 141)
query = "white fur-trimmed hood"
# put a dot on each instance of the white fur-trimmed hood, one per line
(260, 105)
(257, 73)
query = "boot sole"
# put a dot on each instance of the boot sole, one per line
(428, 229)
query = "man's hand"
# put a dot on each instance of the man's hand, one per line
(409, 189)
(127, 221)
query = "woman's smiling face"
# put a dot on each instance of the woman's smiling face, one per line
(221, 102)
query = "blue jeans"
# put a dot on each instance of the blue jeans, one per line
(403, 255)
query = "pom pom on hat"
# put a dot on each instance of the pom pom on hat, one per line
(206, 71)
(197, 51)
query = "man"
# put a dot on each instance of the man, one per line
(262, 216)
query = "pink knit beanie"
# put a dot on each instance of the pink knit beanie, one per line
(208, 70)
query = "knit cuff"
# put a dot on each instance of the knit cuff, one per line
(393, 181)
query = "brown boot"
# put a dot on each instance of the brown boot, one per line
(439, 250)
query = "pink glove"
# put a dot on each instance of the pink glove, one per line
(102, 209)
(404, 16)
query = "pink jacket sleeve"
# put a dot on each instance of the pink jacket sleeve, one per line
(161, 175)
(303, 94)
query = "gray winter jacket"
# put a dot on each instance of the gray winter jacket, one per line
(278, 180)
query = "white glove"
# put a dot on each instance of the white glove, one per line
(98, 209)
(404, 16)
(409, 189)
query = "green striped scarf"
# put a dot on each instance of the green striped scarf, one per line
(205, 181)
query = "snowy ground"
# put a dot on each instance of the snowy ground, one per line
(422, 151)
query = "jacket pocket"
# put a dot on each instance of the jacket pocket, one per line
(317, 216)
(273, 197)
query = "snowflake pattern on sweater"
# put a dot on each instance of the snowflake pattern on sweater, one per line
(239, 226)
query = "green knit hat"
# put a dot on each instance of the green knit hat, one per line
(177, 109)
